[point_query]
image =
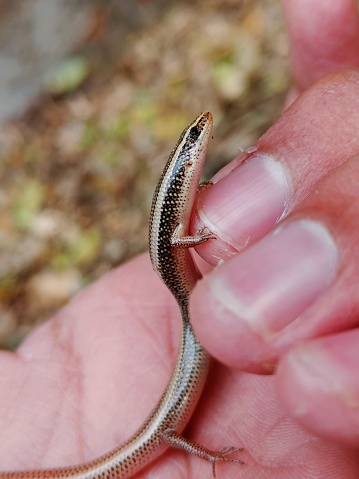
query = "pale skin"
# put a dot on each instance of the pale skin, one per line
(83, 382)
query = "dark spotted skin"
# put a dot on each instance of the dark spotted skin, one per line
(171, 260)
(172, 205)
(170, 215)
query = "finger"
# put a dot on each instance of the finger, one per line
(319, 385)
(297, 283)
(323, 38)
(312, 138)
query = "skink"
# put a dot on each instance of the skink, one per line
(169, 251)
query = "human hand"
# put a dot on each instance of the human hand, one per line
(292, 299)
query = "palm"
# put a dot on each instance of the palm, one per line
(82, 383)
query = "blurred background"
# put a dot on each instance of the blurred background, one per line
(93, 97)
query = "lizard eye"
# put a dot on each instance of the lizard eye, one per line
(195, 132)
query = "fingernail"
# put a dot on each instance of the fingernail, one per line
(248, 202)
(325, 371)
(274, 281)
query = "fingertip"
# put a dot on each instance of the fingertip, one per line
(242, 206)
(323, 37)
(318, 385)
(223, 334)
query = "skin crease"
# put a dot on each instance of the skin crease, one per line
(84, 381)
